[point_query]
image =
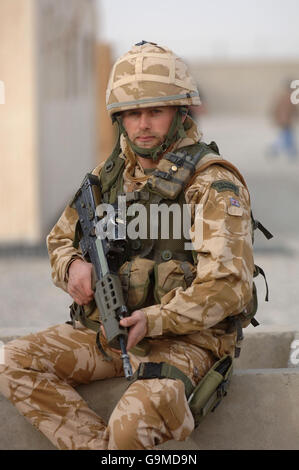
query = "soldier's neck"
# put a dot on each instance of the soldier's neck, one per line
(147, 163)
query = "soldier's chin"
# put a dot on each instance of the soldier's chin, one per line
(147, 144)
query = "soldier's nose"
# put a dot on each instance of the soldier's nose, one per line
(144, 121)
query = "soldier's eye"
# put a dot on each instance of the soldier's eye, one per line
(132, 113)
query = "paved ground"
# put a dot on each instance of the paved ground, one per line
(29, 300)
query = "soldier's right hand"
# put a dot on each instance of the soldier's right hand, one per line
(79, 283)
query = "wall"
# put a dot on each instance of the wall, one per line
(66, 76)
(48, 122)
(242, 87)
(18, 176)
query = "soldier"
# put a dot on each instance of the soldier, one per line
(184, 303)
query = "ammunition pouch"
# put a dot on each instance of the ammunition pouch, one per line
(135, 278)
(142, 277)
(171, 275)
(203, 398)
(173, 173)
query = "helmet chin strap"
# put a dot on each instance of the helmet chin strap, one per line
(176, 131)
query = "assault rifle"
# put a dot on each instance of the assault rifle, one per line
(106, 256)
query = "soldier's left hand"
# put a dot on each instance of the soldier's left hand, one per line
(137, 324)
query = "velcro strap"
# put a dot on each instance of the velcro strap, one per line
(162, 370)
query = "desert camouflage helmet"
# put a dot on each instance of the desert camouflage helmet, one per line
(149, 75)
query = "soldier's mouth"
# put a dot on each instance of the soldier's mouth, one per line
(145, 138)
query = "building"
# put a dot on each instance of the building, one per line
(47, 111)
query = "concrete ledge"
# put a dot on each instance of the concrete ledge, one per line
(261, 410)
(265, 348)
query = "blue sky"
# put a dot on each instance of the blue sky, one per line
(204, 29)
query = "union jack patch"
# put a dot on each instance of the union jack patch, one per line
(234, 202)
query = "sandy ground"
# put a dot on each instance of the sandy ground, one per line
(29, 300)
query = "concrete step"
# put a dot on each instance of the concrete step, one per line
(261, 410)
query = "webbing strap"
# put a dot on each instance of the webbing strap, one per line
(77, 313)
(257, 224)
(259, 270)
(162, 370)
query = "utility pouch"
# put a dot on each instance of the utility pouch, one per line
(172, 174)
(211, 389)
(172, 274)
(135, 280)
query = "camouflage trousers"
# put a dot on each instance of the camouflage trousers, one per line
(42, 370)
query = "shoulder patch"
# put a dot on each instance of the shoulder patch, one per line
(224, 185)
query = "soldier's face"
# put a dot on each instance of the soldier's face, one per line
(148, 127)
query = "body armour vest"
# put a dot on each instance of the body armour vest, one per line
(161, 258)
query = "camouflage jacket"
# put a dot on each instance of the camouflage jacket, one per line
(224, 272)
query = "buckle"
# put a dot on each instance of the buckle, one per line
(149, 370)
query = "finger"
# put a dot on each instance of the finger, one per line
(80, 291)
(83, 287)
(128, 321)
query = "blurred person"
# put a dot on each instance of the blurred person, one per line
(284, 114)
(187, 307)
